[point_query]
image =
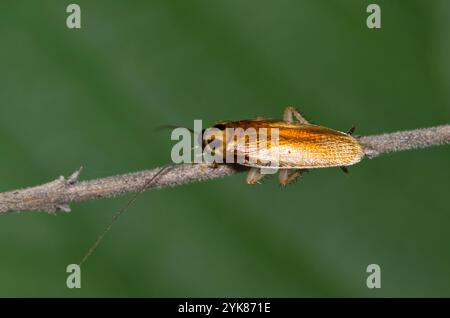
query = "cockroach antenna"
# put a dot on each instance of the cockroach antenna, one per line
(164, 127)
(120, 212)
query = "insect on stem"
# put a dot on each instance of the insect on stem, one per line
(119, 213)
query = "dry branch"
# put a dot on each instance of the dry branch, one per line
(56, 195)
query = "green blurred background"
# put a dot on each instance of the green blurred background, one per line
(94, 97)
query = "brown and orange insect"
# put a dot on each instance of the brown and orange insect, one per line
(300, 146)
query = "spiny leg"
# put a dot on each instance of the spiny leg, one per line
(351, 130)
(289, 114)
(254, 176)
(344, 169)
(286, 176)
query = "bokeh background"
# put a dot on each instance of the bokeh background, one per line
(94, 97)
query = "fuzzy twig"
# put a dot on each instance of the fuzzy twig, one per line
(405, 140)
(56, 195)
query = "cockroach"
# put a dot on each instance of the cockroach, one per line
(300, 146)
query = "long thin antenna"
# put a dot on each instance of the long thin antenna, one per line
(119, 213)
(162, 127)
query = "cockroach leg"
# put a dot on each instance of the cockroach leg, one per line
(351, 130)
(344, 169)
(285, 176)
(289, 114)
(254, 176)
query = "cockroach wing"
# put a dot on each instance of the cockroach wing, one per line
(294, 146)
